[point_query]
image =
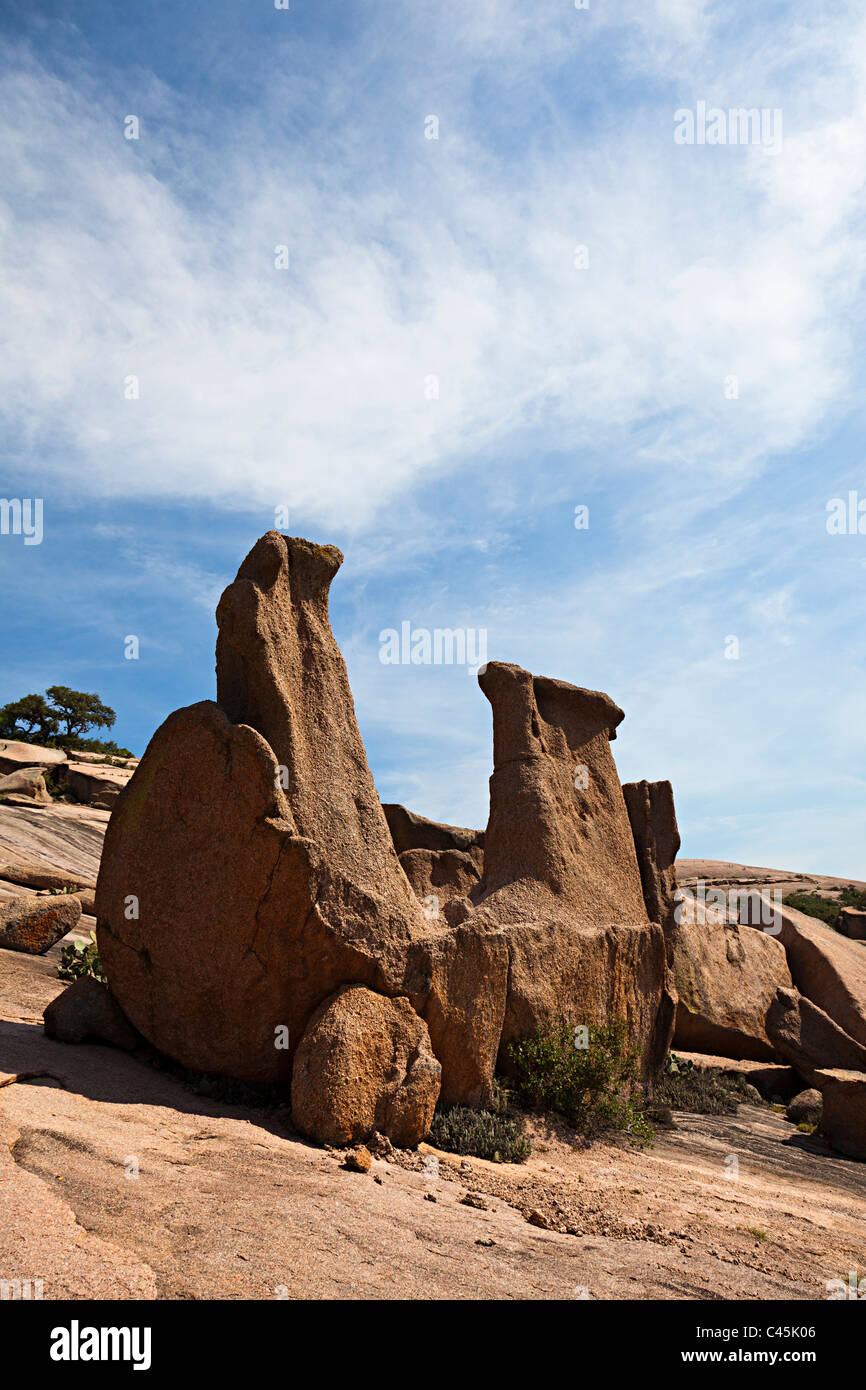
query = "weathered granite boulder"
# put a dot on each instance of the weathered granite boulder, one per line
(85, 1010)
(653, 821)
(805, 1108)
(557, 813)
(807, 1038)
(27, 784)
(15, 755)
(249, 872)
(770, 1079)
(32, 875)
(852, 923)
(365, 1065)
(280, 671)
(442, 879)
(409, 831)
(827, 968)
(843, 1119)
(727, 978)
(461, 979)
(87, 898)
(95, 784)
(560, 870)
(269, 795)
(34, 924)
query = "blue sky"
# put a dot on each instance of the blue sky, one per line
(606, 385)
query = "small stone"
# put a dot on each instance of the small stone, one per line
(537, 1218)
(380, 1145)
(429, 1197)
(472, 1199)
(485, 1242)
(359, 1160)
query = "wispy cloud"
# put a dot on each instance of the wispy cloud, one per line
(311, 386)
(550, 304)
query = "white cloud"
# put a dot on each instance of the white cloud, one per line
(260, 386)
(456, 258)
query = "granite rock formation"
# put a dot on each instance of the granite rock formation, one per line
(805, 1036)
(727, 978)
(560, 870)
(253, 908)
(653, 821)
(364, 1065)
(409, 831)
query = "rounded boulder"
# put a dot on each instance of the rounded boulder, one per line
(365, 1064)
(805, 1108)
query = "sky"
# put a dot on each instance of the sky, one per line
(423, 281)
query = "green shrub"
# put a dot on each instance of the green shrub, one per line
(108, 748)
(814, 906)
(683, 1086)
(79, 959)
(754, 1231)
(591, 1087)
(481, 1133)
(853, 897)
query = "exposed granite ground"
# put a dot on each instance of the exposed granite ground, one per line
(60, 836)
(230, 1204)
(717, 873)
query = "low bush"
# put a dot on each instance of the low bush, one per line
(480, 1133)
(107, 747)
(683, 1086)
(592, 1087)
(814, 906)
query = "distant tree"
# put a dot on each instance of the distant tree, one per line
(79, 711)
(30, 718)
